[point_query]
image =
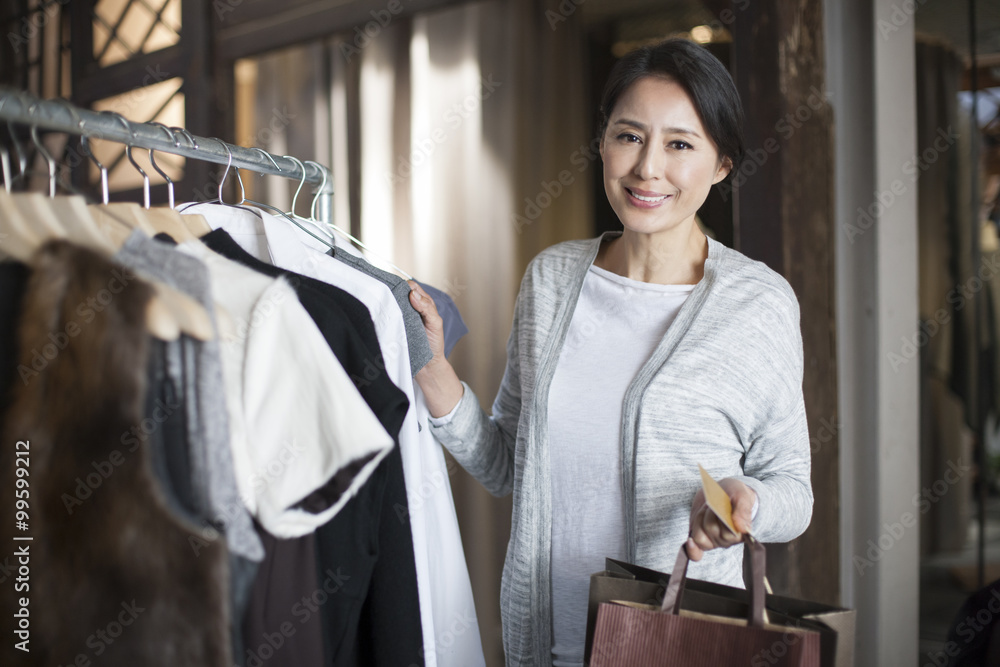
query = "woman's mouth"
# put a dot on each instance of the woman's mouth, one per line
(645, 198)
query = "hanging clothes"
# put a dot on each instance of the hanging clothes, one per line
(212, 477)
(367, 538)
(444, 588)
(297, 472)
(105, 544)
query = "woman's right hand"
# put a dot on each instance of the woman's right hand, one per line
(438, 380)
(433, 324)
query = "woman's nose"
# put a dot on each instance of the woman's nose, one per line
(650, 163)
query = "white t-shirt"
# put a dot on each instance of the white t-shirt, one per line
(295, 416)
(617, 324)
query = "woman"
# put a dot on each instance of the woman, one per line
(633, 358)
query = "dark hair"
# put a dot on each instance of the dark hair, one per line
(705, 79)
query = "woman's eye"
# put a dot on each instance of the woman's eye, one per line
(628, 137)
(681, 145)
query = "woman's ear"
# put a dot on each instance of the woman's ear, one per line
(725, 166)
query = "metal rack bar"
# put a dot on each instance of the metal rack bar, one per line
(25, 109)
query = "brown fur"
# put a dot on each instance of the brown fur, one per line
(122, 543)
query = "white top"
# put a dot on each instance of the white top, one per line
(617, 324)
(295, 416)
(447, 612)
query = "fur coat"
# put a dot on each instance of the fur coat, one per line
(111, 575)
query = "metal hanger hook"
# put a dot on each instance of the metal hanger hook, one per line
(22, 156)
(152, 161)
(268, 156)
(297, 161)
(128, 154)
(243, 191)
(322, 186)
(85, 145)
(187, 135)
(173, 137)
(229, 164)
(49, 160)
(5, 159)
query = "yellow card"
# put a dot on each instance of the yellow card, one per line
(717, 499)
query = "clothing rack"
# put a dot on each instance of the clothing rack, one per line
(22, 108)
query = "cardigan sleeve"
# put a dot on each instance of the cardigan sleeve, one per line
(484, 445)
(777, 468)
(777, 463)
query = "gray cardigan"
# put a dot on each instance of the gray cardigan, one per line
(723, 389)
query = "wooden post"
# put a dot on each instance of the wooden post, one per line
(784, 217)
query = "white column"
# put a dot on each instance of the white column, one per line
(871, 75)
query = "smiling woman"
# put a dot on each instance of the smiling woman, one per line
(659, 163)
(599, 430)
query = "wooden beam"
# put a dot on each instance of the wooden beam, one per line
(784, 217)
(143, 70)
(200, 96)
(250, 27)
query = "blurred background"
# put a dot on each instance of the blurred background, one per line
(462, 141)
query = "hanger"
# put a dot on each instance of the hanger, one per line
(190, 316)
(19, 239)
(294, 220)
(328, 226)
(130, 212)
(22, 158)
(70, 213)
(112, 224)
(35, 208)
(194, 222)
(218, 199)
(170, 222)
(5, 165)
(194, 320)
(167, 220)
(22, 239)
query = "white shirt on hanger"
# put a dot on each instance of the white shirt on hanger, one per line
(296, 418)
(447, 612)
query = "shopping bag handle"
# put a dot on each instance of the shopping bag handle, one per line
(675, 588)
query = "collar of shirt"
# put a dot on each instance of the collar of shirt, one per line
(243, 225)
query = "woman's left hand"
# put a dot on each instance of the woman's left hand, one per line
(707, 531)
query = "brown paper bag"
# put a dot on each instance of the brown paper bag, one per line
(640, 635)
(625, 581)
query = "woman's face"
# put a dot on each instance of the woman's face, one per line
(659, 163)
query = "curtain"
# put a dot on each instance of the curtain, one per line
(946, 334)
(455, 142)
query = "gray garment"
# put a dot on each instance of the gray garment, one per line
(416, 335)
(723, 388)
(212, 474)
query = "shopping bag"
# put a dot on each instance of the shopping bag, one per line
(625, 581)
(636, 634)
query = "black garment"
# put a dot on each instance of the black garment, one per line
(975, 630)
(13, 283)
(373, 615)
(283, 624)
